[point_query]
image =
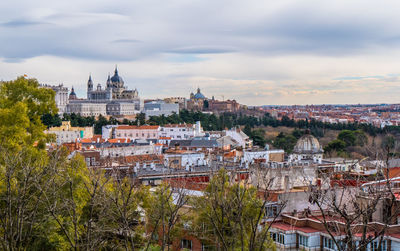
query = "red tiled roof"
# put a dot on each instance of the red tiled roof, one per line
(120, 140)
(395, 235)
(86, 140)
(287, 227)
(394, 172)
(144, 158)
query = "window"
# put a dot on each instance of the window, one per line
(272, 210)
(328, 243)
(278, 237)
(375, 244)
(303, 240)
(186, 244)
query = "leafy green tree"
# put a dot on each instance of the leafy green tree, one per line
(101, 121)
(247, 130)
(285, 142)
(258, 137)
(205, 104)
(347, 137)
(361, 138)
(336, 145)
(22, 162)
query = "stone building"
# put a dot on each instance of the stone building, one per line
(196, 101)
(307, 148)
(67, 133)
(223, 106)
(115, 99)
(160, 107)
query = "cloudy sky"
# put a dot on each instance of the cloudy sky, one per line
(258, 52)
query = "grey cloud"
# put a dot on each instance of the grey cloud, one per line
(197, 28)
(21, 23)
(203, 49)
(117, 41)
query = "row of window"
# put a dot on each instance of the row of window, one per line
(278, 237)
(137, 135)
(329, 244)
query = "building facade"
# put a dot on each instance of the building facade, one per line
(67, 133)
(136, 132)
(115, 99)
(159, 107)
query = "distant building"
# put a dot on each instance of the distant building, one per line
(184, 160)
(136, 132)
(181, 131)
(181, 101)
(223, 106)
(195, 144)
(196, 101)
(239, 136)
(159, 107)
(113, 100)
(67, 133)
(307, 148)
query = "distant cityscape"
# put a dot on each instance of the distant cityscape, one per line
(118, 101)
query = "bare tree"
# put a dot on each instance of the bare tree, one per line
(165, 216)
(360, 214)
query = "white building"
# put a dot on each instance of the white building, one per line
(136, 132)
(67, 133)
(114, 99)
(130, 150)
(87, 108)
(249, 157)
(159, 107)
(239, 136)
(185, 160)
(178, 131)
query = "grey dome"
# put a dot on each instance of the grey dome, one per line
(307, 144)
(199, 95)
(116, 78)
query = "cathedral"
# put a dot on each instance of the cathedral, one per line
(115, 90)
(115, 99)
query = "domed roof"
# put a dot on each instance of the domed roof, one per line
(199, 95)
(72, 92)
(72, 95)
(308, 144)
(116, 78)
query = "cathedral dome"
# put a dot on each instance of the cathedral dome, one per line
(307, 144)
(116, 78)
(72, 95)
(199, 95)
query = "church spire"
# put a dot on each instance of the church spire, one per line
(116, 70)
(90, 83)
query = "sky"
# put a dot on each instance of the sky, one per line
(263, 52)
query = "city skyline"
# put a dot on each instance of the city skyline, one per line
(261, 53)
